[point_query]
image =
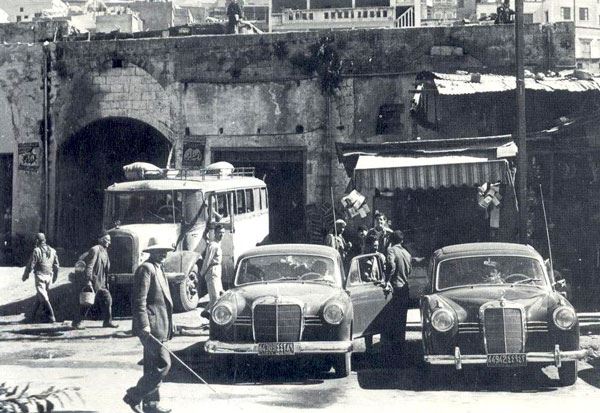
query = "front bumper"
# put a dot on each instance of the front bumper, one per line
(556, 357)
(127, 278)
(300, 347)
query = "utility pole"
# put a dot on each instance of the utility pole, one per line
(521, 122)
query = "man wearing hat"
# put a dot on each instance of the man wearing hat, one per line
(97, 266)
(152, 322)
(44, 264)
(336, 239)
(211, 270)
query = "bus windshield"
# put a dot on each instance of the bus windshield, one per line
(153, 207)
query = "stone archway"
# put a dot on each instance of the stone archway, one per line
(88, 162)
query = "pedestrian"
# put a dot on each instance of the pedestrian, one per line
(398, 268)
(211, 270)
(504, 13)
(361, 234)
(152, 323)
(370, 268)
(234, 16)
(44, 264)
(382, 232)
(97, 266)
(335, 239)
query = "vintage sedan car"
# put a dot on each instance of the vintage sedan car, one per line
(293, 300)
(494, 304)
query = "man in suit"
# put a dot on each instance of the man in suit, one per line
(398, 268)
(97, 266)
(152, 322)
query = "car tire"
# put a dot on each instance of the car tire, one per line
(342, 365)
(184, 293)
(567, 373)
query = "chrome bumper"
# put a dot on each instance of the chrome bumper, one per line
(556, 357)
(127, 278)
(301, 347)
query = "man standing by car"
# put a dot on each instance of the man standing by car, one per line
(97, 266)
(152, 322)
(212, 269)
(335, 239)
(398, 268)
(45, 266)
(382, 232)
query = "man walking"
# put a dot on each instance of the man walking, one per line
(152, 322)
(212, 269)
(97, 266)
(398, 268)
(45, 266)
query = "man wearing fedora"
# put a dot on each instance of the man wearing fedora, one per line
(152, 322)
(44, 264)
(97, 266)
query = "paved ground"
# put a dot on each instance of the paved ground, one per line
(102, 362)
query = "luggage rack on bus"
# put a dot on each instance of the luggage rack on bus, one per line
(203, 173)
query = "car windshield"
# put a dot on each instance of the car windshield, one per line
(489, 270)
(154, 207)
(283, 268)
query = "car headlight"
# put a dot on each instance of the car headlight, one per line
(222, 314)
(333, 313)
(564, 318)
(442, 320)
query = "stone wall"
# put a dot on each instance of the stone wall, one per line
(292, 90)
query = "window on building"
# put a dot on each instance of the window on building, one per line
(311, 16)
(346, 14)
(586, 48)
(359, 14)
(304, 16)
(378, 13)
(326, 15)
(565, 13)
(291, 16)
(21, 9)
(18, 19)
(384, 13)
(340, 15)
(371, 13)
(333, 15)
(389, 119)
(351, 14)
(584, 14)
(547, 16)
(25, 17)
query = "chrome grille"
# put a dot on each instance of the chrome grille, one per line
(312, 320)
(121, 254)
(537, 326)
(503, 328)
(277, 322)
(468, 328)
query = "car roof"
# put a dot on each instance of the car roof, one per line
(284, 249)
(206, 184)
(477, 248)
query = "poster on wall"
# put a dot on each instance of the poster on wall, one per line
(193, 154)
(29, 156)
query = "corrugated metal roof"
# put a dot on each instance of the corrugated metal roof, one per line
(461, 84)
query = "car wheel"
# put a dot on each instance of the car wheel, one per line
(342, 364)
(184, 293)
(567, 373)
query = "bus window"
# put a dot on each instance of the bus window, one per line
(192, 207)
(249, 201)
(263, 198)
(240, 207)
(256, 194)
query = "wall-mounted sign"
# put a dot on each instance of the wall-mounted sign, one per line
(29, 156)
(193, 154)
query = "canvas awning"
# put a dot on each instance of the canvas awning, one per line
(410, 172)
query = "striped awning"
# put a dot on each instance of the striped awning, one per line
(403, 172)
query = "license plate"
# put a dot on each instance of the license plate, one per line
(276, 349)
(507, 360)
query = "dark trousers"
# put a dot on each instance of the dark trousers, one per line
(393, 335)
(157, 363)
(103, 301)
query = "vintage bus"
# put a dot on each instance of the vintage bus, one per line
(179, 206)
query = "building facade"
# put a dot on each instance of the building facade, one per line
(28, 10)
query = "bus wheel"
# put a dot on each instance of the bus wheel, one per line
(184, 293)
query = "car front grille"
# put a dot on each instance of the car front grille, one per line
(277, 322)
(503, 328)
(121, 254)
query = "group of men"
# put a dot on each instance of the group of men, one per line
(397, 264)
(152, 305)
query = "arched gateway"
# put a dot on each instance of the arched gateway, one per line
(87, 163)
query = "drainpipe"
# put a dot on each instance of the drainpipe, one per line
(46, 168)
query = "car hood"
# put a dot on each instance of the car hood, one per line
(310, 296)
(467, 301)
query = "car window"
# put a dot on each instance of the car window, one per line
(286, 268)
(489, 270)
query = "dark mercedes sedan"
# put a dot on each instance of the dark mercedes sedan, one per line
(493, 304)
(294, 300)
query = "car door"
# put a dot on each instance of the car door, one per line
(365, 286)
